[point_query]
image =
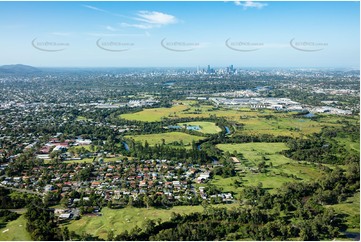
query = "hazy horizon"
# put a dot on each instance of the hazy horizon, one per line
(182, 67)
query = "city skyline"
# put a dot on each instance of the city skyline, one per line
(187, 34)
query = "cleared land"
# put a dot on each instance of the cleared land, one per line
(15, 230)
(169, 138)
(206, 127)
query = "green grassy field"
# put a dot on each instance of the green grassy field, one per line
(350, 145)
(255, 121)
(351, 207)
(184, 110)
(281, 124)
(254, 151)
(85, 160)
(154, 114)
(282, 169)
(90, 160)
(270, 182)
(335, 119)
(206, 127)
(274, 123)
(226, 184)
(127, 218)
(87, 147)
(153, 139)
(82, 118)
(15, 230)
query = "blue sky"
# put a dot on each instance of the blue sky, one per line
(180, 34)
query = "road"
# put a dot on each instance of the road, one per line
(23, 190)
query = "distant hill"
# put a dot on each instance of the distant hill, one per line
(18, 69)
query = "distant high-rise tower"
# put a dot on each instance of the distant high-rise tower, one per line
(209, 69)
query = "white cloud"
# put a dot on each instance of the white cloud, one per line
(145, 19)
(104, 11)
(95, 8)
(250, 4)
(153, 17)
(139, 26)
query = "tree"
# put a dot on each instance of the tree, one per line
(109, 205)
(205, 204)
(146, 200)
(40, 222)
(130, 201)
(148, 225)
(64, 200)
(66, 234)
(110, 236)
(261, 166)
